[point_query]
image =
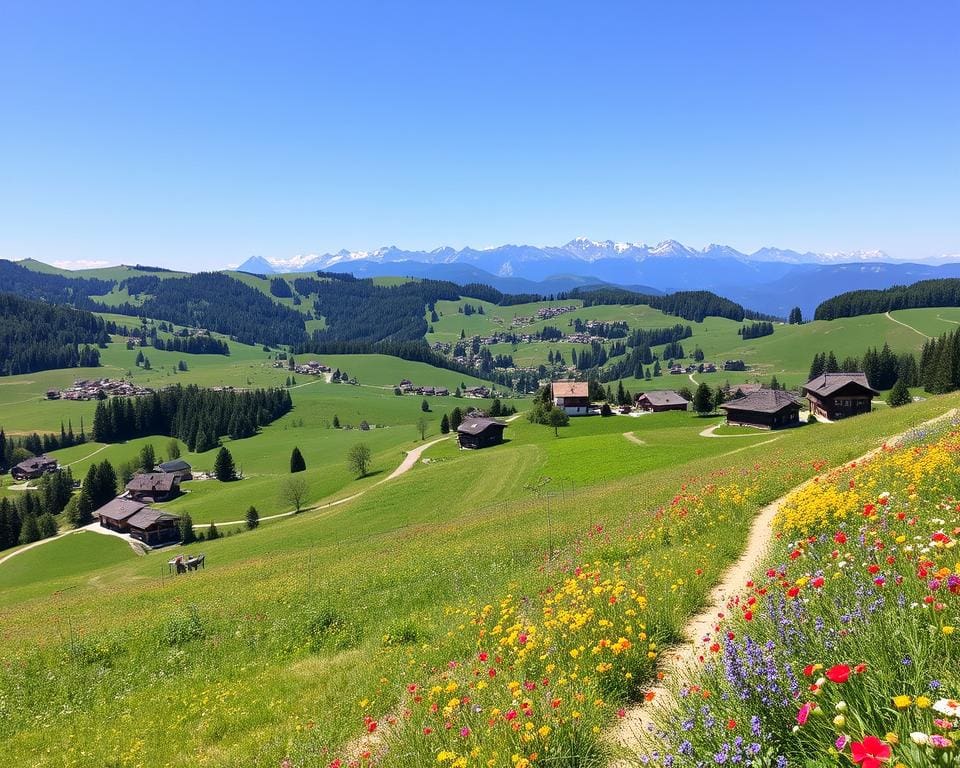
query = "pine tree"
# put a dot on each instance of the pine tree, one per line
(187, 534)
(148, 459)
(297, 464)
(47, 526)
(899, 395)
(425, 406)
(212, 532)
(82, 513)
(456, 418)
(29, 530)
(703, 399)
(445, 425)
(253, 518)
(223, 467)
(336, 422)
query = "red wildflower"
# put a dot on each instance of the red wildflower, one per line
(838, 673)
(871, 752)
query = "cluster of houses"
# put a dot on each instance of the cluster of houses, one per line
(407, 387)
(98, 389)
(309, 368)
(693, 368)
(544, 313)
(131, 513)
(831, 396)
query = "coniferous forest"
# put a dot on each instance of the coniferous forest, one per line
(35, 336)
(199, 417)
(926, 293)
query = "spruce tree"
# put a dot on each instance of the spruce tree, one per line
(223, 467)
(212, 532)
(82, 512)
(899, 395)
(297, 464)
(29, 530)
(703, 399)
(253, 518)
(187, 534)
(336, 422)
(47, 525)
(148, 459)
(445, 425)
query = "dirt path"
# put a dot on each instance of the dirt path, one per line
(406, 465)
(634, 439)
(630, 733)
(88, 456)
(899, 322)
(695, 382)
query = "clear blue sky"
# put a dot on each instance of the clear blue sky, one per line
(196, 134)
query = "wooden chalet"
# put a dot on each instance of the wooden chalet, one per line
(154, 486)
(661, 400)
(154, 528)
(177, 467)
(571, 396)
(116, 513)
(838, 395)
(765, 408)
(480, 432)
(34, 467)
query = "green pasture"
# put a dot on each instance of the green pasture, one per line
(286, 626)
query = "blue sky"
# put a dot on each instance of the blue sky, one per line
(196, 134)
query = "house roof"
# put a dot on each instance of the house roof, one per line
(35, 462)
(119, 510)
(147, 517)
(152, 481)
(745, 389)
(177, 465)
(663, 397)
(763, 401)
(827, 383)
(476, 426)
(570, 389)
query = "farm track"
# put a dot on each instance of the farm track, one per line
(634, 439)
(900, 322)
(630, 733)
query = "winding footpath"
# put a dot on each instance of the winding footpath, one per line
(900, 322)
(630, 733)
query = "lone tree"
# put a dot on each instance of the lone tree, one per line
(445, 425)
(899, 395)
(148, 458)
(212, 532)
(425, 406)
(703, 400)
(796, 316)
(294, 492)
(336, 422)
(223, 467)
(253, 518)
(187, 534)
(557, 418)
(422, 425)
(358, 459)
(297, 464)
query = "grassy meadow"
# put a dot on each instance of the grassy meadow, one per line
(300, 634)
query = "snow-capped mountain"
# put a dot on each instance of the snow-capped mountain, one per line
(516, 259)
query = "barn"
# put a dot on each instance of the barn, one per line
(480, 432)
(573, 397)
(838, 395)
(116, 513)
(661, 400)
(177, 467)
(765, 408)
(154, 486)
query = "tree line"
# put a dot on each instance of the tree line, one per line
(690, 305)
(944, 292)
(198, 417)
(35, 336)
(218, 302)
(755, 330)
(882, 367)
(13, 450)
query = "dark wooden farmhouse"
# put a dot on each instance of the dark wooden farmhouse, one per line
(153, 486)
(154, 528)
(765, 408)
(116, 514)
(838, 395)
(34, 467)
(572, 396)
(661, 400)
(480, 432)
(177, 467)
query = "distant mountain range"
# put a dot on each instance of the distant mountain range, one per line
(770, 280)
